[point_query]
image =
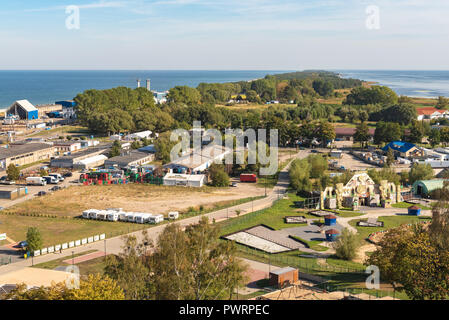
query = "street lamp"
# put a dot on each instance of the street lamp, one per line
(105, 248)
(73, 258)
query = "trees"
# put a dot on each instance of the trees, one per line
(163, 146)
(416, 132)
(390, 157)
(420, 172)
(434, 137)
(373, 95)
(116, 149)
(34, 239)
(442, 103)
(184, 94)
(346, 245)
(362, 134)
(326, 132)
(95, 287)
(194, 264)
(323, 87)
(12, 172)
(411, 262)
(387, 132)
(219, 178)
(300, 175)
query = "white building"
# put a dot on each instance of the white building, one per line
(138, 135)
(186, 180)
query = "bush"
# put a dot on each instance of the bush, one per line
(346, 245)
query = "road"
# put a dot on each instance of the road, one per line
(114, 245)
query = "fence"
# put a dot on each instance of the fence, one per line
(69, 245)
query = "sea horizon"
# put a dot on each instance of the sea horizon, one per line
(47, 86)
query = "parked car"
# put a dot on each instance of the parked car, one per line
(41, 193)
(55, 188)
(4, 180)
(234, 184)
(67, 175)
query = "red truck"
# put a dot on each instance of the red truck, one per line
(248, 177)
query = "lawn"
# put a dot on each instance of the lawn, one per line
(59, 262)
(272, 217)
(389, 223)
(406, 205)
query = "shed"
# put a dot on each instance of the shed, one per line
(330, 220)
(414, 211)
(332, 234)
(24, 109)
(283, 276)
(424, 187)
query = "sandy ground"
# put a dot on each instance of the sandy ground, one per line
(133, 197)
(361, 252)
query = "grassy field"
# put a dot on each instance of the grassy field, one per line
(406, 205)
(272, 217)
(63, 130)
(59, 262)
(389, 223)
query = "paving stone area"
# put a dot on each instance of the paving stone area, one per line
(276, 237)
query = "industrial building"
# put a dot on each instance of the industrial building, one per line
(47, 108)
(133, 158)
(138, 135)
(24, 109)
(185, 180)
(404, 149)
(200, 160)
(24, 154)
(425, 187)
(91, 162)
(72, 160)
(68, 109)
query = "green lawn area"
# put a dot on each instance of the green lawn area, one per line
(406, 205)
(314, 245)
(389, 223)
(63, 130)
(272, 217)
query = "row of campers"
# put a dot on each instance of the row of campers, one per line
(119, 215)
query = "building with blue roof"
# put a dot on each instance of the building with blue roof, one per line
(404, 149)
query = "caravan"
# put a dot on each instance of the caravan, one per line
(112, 215)
(173, 215)
(131, 217)
(156, 219)
(101, 215)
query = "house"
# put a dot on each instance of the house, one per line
(404, 149)
(347, 134)
(12, 192)
(24, 154)
(129, 159)
(67, 146)
(24, 109)
(186, 180)
(68, 109)
(430, 113)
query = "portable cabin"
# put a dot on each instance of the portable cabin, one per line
(332, 234)
(414, 211)
(131, 217)
(139, 218)
(86, 214)
(101, 215)
(112, 215)
(93, 214)
(330, 220)
(156, 219)
(122, 216)
(283, 276)
(173, 215)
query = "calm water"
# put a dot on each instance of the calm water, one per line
(428, 84)
(41, 87)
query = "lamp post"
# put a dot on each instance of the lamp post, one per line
(105, 248)
(73, 258)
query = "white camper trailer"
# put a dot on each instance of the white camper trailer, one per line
(131, 217)
(101, 215)
(173, 215)
(143, 217)
(156, 219)
(122, 216)
(93, 214)
(86, 214)
(112, 216)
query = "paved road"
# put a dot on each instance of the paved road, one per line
(114, 245)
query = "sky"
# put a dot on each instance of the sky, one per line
(225, 34)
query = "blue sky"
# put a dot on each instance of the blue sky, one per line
(224, 34)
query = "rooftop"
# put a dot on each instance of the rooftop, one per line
(282, 270)
(428, 111)
(130, 157)
(16, 150)
(400, 146)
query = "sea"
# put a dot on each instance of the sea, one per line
(46, 87)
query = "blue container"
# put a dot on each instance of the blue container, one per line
(414, 211)
(332, 235)
(330, 220)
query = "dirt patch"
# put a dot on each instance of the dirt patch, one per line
(133, 197)
(361, 252)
